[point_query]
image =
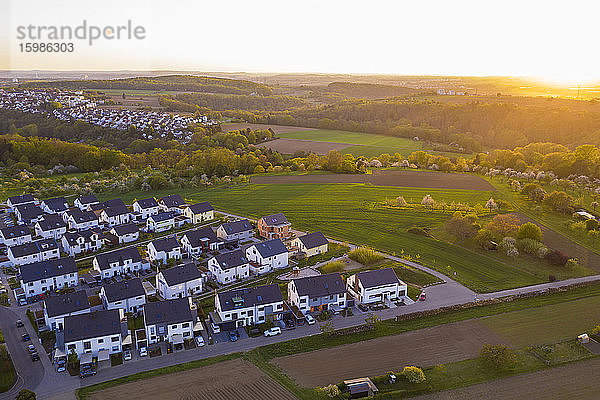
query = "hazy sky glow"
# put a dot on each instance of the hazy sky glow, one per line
(549, 40)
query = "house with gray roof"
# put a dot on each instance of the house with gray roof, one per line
(240, 230)
(163, 249)
(229, 267)
(267, 256)
(311, 244)
(28, 213)
(94, 333)
(128, 295)
(84, 202)
(56, 205)
(15, 235)
(379, 285)
(248, 306)
(56, 308)
(169, 320)
(38, 250)
(200, 241)
(51, 226)
(47, 276)
(318, 293)
(14, 201)
(78, 242)
(80, 220)
(274, 226)
(199, 212)
(146, 207)
(180, 281)
(119, 262)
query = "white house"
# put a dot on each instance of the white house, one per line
(146, 207)
(267, 256)
(180, 281)
(163, 249)
(119, 262)
(51, 226)
(125, 233)
(57, 205)
(113, 212)
(56, 308)
(172, 202)
(28, 213)
(229, 267)
(74, 243)
(249, 306)
(241, 230)
(14, 201)
(200, 241)
(199, 212)
(318, 293)
(47, 276)
(169, 320)
(311, 244)
(80, 220)
(15, 235)
(378, 285)
(39, 250)
(84, 202)
(161, 222)
(94, 332)
(128, 295)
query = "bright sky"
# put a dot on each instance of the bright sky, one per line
(553, 40)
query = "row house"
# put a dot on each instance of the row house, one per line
(28, 213)
(15, 235)
(128, 295)
(47, 276)
(38, 250)
(112, 212)
(267, 256)
(163, 249)
(161, 222)
(200, 241)
(318, 293)
(249, 306)
(94, 332)
(89, 240)
(51, 226)
(119, 262)
(229, 267)
(80, 220)
(56, 308)
(180, 281)
(169, 321)
(14, 201)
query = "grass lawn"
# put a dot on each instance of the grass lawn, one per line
(353, 212)
(325, 135)
(546, 324)
(7, 370)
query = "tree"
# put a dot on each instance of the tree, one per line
(327, 327)
(462, 226)
(529, 230)
(491, 205)
(414, 374)
(484, 238)
(503, 225)
(25, 394)
(259, 169)
(428, 201)
(592, 224)
(557, 258)
(559, 201)
(498, 357)
(330, 391)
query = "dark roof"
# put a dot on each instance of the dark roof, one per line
(125, 229)
(91, 325)
(83, 216)
(320, 285)
(237, 226)
(24, 198)
(377, 277)
(275, 220)
(248, 297)
(231, 259)
(86, 234)
(200, 208)
(112, 207)
(52, 221)
(57, 204)
(196, 236)
(29, 211)
(270, 248)
(127, 253)
(172, 200)
(163, 216)
(147, 203)
(165, 244)
(313, 240)
(168, 312)
(47, 269)
(124, 290)
(27, 249)
(181, 273)
(89, 199)
(15, 231)
(66, 303)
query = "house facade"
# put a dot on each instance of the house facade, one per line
(229, 267)
(311, 244)
(94, 332)
(39, 250)
(128, 295)
(241, 230)
(56, 308)
(180, 281)
(74, 243)
(47, 276)
(14, 201)
(318, 293)
(57, 205)
(84, 202)
(161, 222)
(274, 226)
(172, 202)
(267, 256)
(51, 226)
(125, 233)
(80, 220)
(15, 235)
(28, 213)
(249, 306)
(119, 262)
(163, 249)
(146, 207)
(169, 321)
(200, 241)
(199, 212)
(374, 286)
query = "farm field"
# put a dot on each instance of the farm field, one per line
(424, 347)
(353, 212)
(388, 143)
(235, 380)
(400, 178)
(547, 384)
(546, 324)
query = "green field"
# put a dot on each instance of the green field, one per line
(546, 324)
(352, 212)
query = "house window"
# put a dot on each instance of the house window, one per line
(71, 347)
(100, 340)
(186, 334)
(87, 345)
(114, 339)
(115, 348)
(186, 325)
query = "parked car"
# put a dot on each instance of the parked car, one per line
(199, 341)
(35, 356)
(22, 302)
(31, 348)
(127, 355)
(233, 336)
(215, 328)
(363, 307)
(289, 324)
(423, 296)
(273, 331)
(25, 337)
(61, 368)
(310, 320)
(143, 351)
(19, 323)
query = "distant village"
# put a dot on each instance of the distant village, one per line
(75, 106)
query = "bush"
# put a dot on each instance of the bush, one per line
(414, 374)
(556, 257)
(531, 231)
(25, 394)
(529, 246)
(330, 391)
(418, 231)
(333, 266)
(592, 224)
(551, 278)
(365, 256)
(498, 356)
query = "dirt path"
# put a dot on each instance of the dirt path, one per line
(573, 381)
(424, 347)
(229, 380)
(400, 178)
(555, 240)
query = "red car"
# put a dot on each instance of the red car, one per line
(423, 297)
